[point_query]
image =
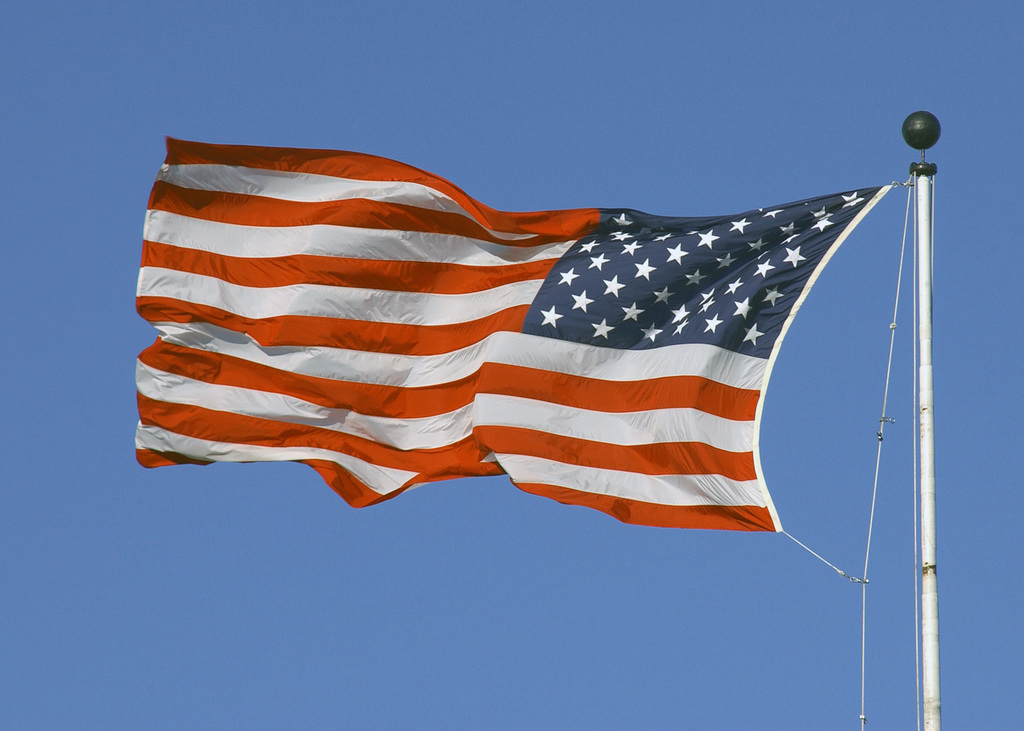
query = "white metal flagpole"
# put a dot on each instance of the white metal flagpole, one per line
(921, 131)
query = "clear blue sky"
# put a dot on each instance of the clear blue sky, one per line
(252, 596)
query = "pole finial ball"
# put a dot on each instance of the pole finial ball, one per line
(921, 130)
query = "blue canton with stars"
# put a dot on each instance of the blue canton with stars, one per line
(642, 281)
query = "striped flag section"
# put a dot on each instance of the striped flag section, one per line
(375, 322)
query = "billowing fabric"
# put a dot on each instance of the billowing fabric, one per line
(375, 322)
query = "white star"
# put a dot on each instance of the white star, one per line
(681, 314)
(602, 330)
(733, 286)
(613, 285)
(551, 317)
(763, 268)
(823, 223)
(663, 237)
(852, 199)
(661, 296)
(651, 332)
(756, 245)
(568, 276)
(725, 261)
(680, 326)
(708, 304)
(588, 247)
(707, 295)
(739, 225)
(621, 236)
(630, 248)
(742, 308)
(581, 301)
(631, 312)
(676, 254)
(789, 238)
(794, 257)
(644, 270)
(696, 277)
(622, 220)
(788, 229)
(771, 295)
(752, 334)
(597, 261)
(773, 214)
(712, 324)
(820, 214)
(706, 239)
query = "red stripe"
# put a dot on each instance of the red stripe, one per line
(717, 517)
(669, 458)
(359, 495)
(404, 276)
(354, 492)
(558, 225)
(154, 458)
(672, 392)
(677, 392)
(330, 332)
(461, 459)
(252, 210)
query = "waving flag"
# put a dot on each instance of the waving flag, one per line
(375, 322)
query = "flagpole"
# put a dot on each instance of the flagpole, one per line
(921, 131)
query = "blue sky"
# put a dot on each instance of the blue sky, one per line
(252, 596)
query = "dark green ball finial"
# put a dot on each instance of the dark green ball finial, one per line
(921, 130)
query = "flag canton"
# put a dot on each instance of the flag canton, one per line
(641, 281)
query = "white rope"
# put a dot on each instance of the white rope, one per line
(835, 568)
(882, 421)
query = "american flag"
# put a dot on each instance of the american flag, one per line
(375, 322)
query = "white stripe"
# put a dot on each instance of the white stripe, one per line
(320, 300)
(407, 434)
(656, 426)
(232, 239)
(518, 349)
(657, 489)
(314, 188)
(381, 480)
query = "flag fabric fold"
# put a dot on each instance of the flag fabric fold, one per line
(375, 322)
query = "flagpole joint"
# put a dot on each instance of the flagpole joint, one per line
(923, 168)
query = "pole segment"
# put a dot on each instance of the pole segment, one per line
(921, 131)
(929, 582)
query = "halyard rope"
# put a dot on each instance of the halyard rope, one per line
(882, 421)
